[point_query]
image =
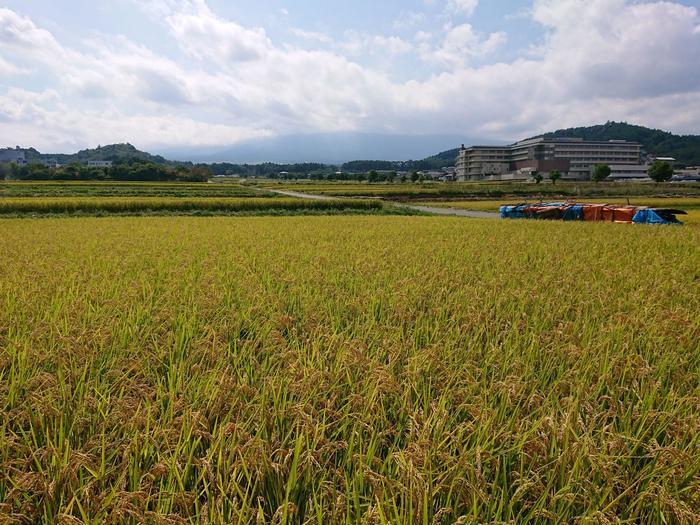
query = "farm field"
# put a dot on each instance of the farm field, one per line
(185, 205)
(52, 189)
(486, 190)
(348, 370)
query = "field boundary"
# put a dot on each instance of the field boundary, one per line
(418, 208)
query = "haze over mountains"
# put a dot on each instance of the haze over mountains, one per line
(337, 149)
(327, 148)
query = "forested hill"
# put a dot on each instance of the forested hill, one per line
(684, 148)
(117, 153)
(441, 160)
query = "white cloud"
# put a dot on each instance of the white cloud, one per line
(203, 35)
(23, 113)
(355, 45)
(465, 7)
(460, 45)
(8, 68)
(408, 19)
(311, 35)
(224, 82)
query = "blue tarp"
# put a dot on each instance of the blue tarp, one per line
(513, 212)
(649, 216)
(574, 212)
(520, 211)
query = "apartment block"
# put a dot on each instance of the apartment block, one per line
(573, 157)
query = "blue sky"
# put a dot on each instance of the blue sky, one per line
(168, 74)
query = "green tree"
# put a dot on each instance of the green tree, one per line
(391, 177)
(554, 176)
(414, 176)
(404, 178)
(601, 172)
(660, 171)
(373, 177)
(536, 176)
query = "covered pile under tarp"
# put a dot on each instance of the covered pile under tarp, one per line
(570, 211)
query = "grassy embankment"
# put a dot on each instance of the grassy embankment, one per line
(347, 370)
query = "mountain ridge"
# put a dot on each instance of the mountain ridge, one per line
(123, 152)
(685, 148)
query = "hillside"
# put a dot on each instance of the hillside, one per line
(684, 148)
(434, 162)
(117, 153)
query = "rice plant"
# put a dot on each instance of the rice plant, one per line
(389, 370)
(138, 205)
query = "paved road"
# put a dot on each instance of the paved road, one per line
(456, 212)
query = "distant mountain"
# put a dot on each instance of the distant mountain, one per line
(434, 162)
(684, 148)
(328, 148)
(336, 149)
(114, 152)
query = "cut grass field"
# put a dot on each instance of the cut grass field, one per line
(171, 205)
(348, 370)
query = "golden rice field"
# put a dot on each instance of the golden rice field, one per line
(484, 190)
(10, 189)
(185, 205)
(387, 370)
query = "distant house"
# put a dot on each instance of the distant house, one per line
(12, 156)
(629, 172)
(99, 164)
(690, 174)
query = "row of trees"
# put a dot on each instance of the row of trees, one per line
(553, 175)
(659, 171)
(132, 171)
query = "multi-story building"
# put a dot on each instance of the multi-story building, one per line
(99, 163)
(573, 157)
(629, 172)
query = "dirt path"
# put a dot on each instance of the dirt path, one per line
(456, 212)
(303, 195)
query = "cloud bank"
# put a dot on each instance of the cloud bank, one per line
(225, 82)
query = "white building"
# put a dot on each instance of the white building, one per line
(629, 172)
(574, 158)
(99, 164)
(690, 174)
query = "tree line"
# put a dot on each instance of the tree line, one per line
(128, 171)
(659, 171)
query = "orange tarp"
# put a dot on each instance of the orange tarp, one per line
(603, 212)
